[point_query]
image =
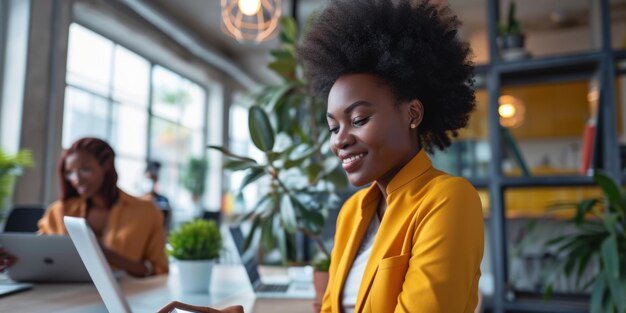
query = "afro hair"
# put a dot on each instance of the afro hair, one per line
(412, 46)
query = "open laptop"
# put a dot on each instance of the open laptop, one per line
(96, 264)
(291, 290)
(43, 258)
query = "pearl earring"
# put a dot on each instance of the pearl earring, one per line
(413, 125)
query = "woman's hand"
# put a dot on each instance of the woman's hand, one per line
(6, 259)
(198, 309)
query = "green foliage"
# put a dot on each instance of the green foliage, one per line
(512, 25)
(601, 225)
(322, 265)
(286, 122)
(197, 240)
(194, 176)
(11, 166)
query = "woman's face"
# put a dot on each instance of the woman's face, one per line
(84, 173)
(370, 132)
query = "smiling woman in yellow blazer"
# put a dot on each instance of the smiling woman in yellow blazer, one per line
(399, 83)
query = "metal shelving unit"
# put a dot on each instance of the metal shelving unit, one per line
(501, 73)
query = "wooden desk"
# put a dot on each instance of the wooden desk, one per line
(229, 286)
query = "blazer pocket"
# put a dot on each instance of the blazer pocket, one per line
(388, 282)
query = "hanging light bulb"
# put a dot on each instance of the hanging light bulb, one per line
(250, 20)
(249, 7)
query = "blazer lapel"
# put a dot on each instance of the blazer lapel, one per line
(395, 222)
(392, 231)
(368, 206)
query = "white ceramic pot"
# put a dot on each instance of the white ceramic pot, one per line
(194, 276)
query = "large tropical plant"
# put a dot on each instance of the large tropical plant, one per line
(600, 239)
(11, 166)
(285, 123)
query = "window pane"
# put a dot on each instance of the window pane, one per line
(84, 115)
(89, 58)
(169, 94)
(193, 111)
(131, 78)
(129, 130)
(130, 174)
(163, 140)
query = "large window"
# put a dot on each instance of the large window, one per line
(145, 111)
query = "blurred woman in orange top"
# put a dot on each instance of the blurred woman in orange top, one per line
(130, 230)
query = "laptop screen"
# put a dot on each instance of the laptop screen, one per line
(247, 257)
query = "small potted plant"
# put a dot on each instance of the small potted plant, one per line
(195, 246)
(11, 166)
(510, 36)
(320, 281)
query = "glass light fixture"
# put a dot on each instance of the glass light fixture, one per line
(511, 111)
(250, 20)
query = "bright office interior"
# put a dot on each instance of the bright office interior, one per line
(160, 80)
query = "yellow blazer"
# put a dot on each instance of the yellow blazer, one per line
(134, 230)
(427, 253)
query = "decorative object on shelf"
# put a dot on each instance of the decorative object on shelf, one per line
(601, 238)
(250, 20)
(511, 38)
(11, 166)
(301, 176)
(195, 245)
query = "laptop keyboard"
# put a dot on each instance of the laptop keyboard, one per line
(272, 288)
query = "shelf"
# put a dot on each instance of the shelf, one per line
(547, 181)
(549, 69)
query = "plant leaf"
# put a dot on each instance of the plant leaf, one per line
(248, 241)
(260, 128)
(610, 258)
(238, 165)
(288, 214)
(230, 154)
(597, 294)
(254, 174)
(617, 293)
(289, 28)
(582, 209)
(611, 190)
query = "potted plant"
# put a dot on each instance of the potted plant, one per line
(11, 166)
(510, 36)
(195, 245)
(600, 240)
(285, 124)
(193, 179)
(320, 280)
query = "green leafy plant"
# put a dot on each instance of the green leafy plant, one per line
(601, 238)
(193, 177)
(284, 123)
(322, 265)
(512, 25)
(196, 240)
(11, 166)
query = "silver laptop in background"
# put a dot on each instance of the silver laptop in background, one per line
(97, 266)
(44, 258)
(291, 290)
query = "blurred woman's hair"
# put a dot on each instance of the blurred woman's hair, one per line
(105, 156)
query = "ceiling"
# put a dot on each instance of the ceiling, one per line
(203, 19)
